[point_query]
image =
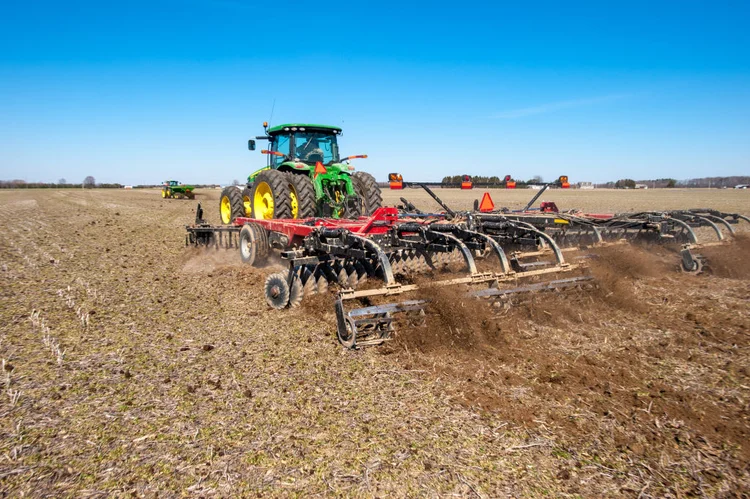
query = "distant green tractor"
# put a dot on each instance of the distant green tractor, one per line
(305, 177)
(174, 189)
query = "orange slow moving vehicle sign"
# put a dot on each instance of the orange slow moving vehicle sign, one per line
(396, 181)
(319, 168)
(486, 205)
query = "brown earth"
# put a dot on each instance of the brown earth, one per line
(133, 365)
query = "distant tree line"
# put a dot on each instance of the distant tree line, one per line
(668, 183)
(714, 181)
(493, 181)
(88, 183)
(158, 186)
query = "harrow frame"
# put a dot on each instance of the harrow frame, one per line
(348, 252)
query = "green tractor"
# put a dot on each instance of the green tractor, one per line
(305, 177)
(175, 190)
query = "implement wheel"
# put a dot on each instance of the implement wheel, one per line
(230, 205)
(368, 191)
(253, 244)
(301, 195)
(271, 196)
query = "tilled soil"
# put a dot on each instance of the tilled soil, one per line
(134, 365)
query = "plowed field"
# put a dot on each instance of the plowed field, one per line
(132, 365)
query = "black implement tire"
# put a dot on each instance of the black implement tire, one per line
(303, 188)
(271, 187)
(253, 244)
(247, 201)
(368, 191)
(230, 205)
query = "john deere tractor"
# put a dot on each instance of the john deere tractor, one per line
(305, 177)
(174, 189)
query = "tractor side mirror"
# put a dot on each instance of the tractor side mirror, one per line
(251, 145)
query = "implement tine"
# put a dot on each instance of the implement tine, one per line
(471, 265)
(371, 325)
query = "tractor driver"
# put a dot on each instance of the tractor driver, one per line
(310, 151)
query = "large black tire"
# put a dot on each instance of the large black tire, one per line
(230, 205)
(368, 191)
(301, 186)
(353, 211)
(271, 186)
(253, 244)
(247, 201)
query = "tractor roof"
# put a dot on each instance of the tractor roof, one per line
(307, 126)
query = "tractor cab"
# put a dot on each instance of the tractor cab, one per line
(298, 143)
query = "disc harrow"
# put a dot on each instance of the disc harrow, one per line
(370, 258)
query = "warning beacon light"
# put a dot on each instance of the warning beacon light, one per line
(396, 181)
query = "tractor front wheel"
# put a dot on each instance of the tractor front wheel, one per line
(368, 192)
(301, 195)
(271, 196)
(230, 205)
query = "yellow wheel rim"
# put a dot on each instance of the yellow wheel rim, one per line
(163, 193)
(248, 205)
(226, 210)
(339, 197)
(295, 202)
(263, 201)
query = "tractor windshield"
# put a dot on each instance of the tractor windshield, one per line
(312, 147)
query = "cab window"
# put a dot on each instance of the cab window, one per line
(280, 144)
(312, 147)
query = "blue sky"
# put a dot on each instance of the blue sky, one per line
(137, 92)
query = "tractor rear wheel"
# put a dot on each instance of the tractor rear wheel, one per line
(301, 195)
(247, 201)
(253, 244)
(368, 191)
(230, 204)
(164, 193)
(353, 211)
(271, 196)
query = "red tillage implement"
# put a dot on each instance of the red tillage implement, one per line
(348, 253)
